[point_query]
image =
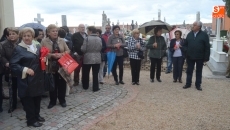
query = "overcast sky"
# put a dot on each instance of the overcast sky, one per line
(90, 11)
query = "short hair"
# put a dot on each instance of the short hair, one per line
(135, 31)
(199, 23)
(92, 29)
(61, 33)
(108, 25)
(5, 32)
(178, 31)
(157, 28)
(115, 27)
(36, 33)
(50, 27)
(65, 28)
(13, 29)
(99, 31)
(25, 30)
(40, 30)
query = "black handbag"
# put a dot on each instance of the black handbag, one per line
(49, 82)
(103, 56)
(140, 54)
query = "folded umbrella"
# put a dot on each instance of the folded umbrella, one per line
(111, 55)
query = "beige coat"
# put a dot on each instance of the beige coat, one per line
(49, 44)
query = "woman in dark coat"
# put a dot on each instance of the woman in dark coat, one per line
(178, 55)
(157, 49)
(25, 64)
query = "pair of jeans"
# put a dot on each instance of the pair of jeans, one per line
(85, 77)
(178, 63)
(169, 61)
(135, 69)
(199, 68)
(154, 62)
(120, 62)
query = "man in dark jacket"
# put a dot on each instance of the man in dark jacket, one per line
(198, 51)
(78, 39)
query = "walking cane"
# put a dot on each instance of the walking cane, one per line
(11, 93)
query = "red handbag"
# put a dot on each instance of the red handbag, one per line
(68, 63)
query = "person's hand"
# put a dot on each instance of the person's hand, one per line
(7, 64)
(138, 46)
(30, 72)
(155, 45)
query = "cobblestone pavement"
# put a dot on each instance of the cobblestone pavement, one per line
(84, 108)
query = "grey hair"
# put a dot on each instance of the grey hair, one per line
(199, 23)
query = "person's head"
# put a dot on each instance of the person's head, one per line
(65, 28)
(91, 29)
(116, 29)
(52, 31)
(107, 28)
(5, 32)
(135, 33)
(81, 28)
(61, 33)
(13, 34)
(173, 27)
(36, 34)
(158, 31)
(178, 34)
(197, 25)
(27, 35)
(40, 34)
(98, 32)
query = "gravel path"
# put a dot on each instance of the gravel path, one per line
(167, 106)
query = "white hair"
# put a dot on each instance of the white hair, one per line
(199, 23)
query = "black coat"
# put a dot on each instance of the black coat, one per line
(23, 57)
(172, 44)
(197, 47)
(77, 41)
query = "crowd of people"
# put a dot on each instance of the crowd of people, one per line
(20, 53)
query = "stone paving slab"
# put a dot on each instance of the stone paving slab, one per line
(84, 108)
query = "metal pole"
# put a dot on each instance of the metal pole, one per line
(218, 29)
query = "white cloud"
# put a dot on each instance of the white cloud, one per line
(90, 11)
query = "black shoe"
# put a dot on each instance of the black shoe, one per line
(137, 83)
(180, 81)
(121, 82)
(174, 81)
(151, 80)
(96, 90)
(101, 83)
(228, 76)
(36, 124)
(166, 72)
(51, 105)
(63, 104)
(199, 88)
(5, 97)
(117, 83)
(133, 83)
(186, 86)
(40, 119)
(11, 110)
(159, 80)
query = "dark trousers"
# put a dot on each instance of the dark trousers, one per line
(154, 62)
(199, 67)
(178, 63)
(32, 107)
(1, 93)
(85, 77)
(120, 61)
(59, 91)
(77, 71)
(135, 69)
(14, 92)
